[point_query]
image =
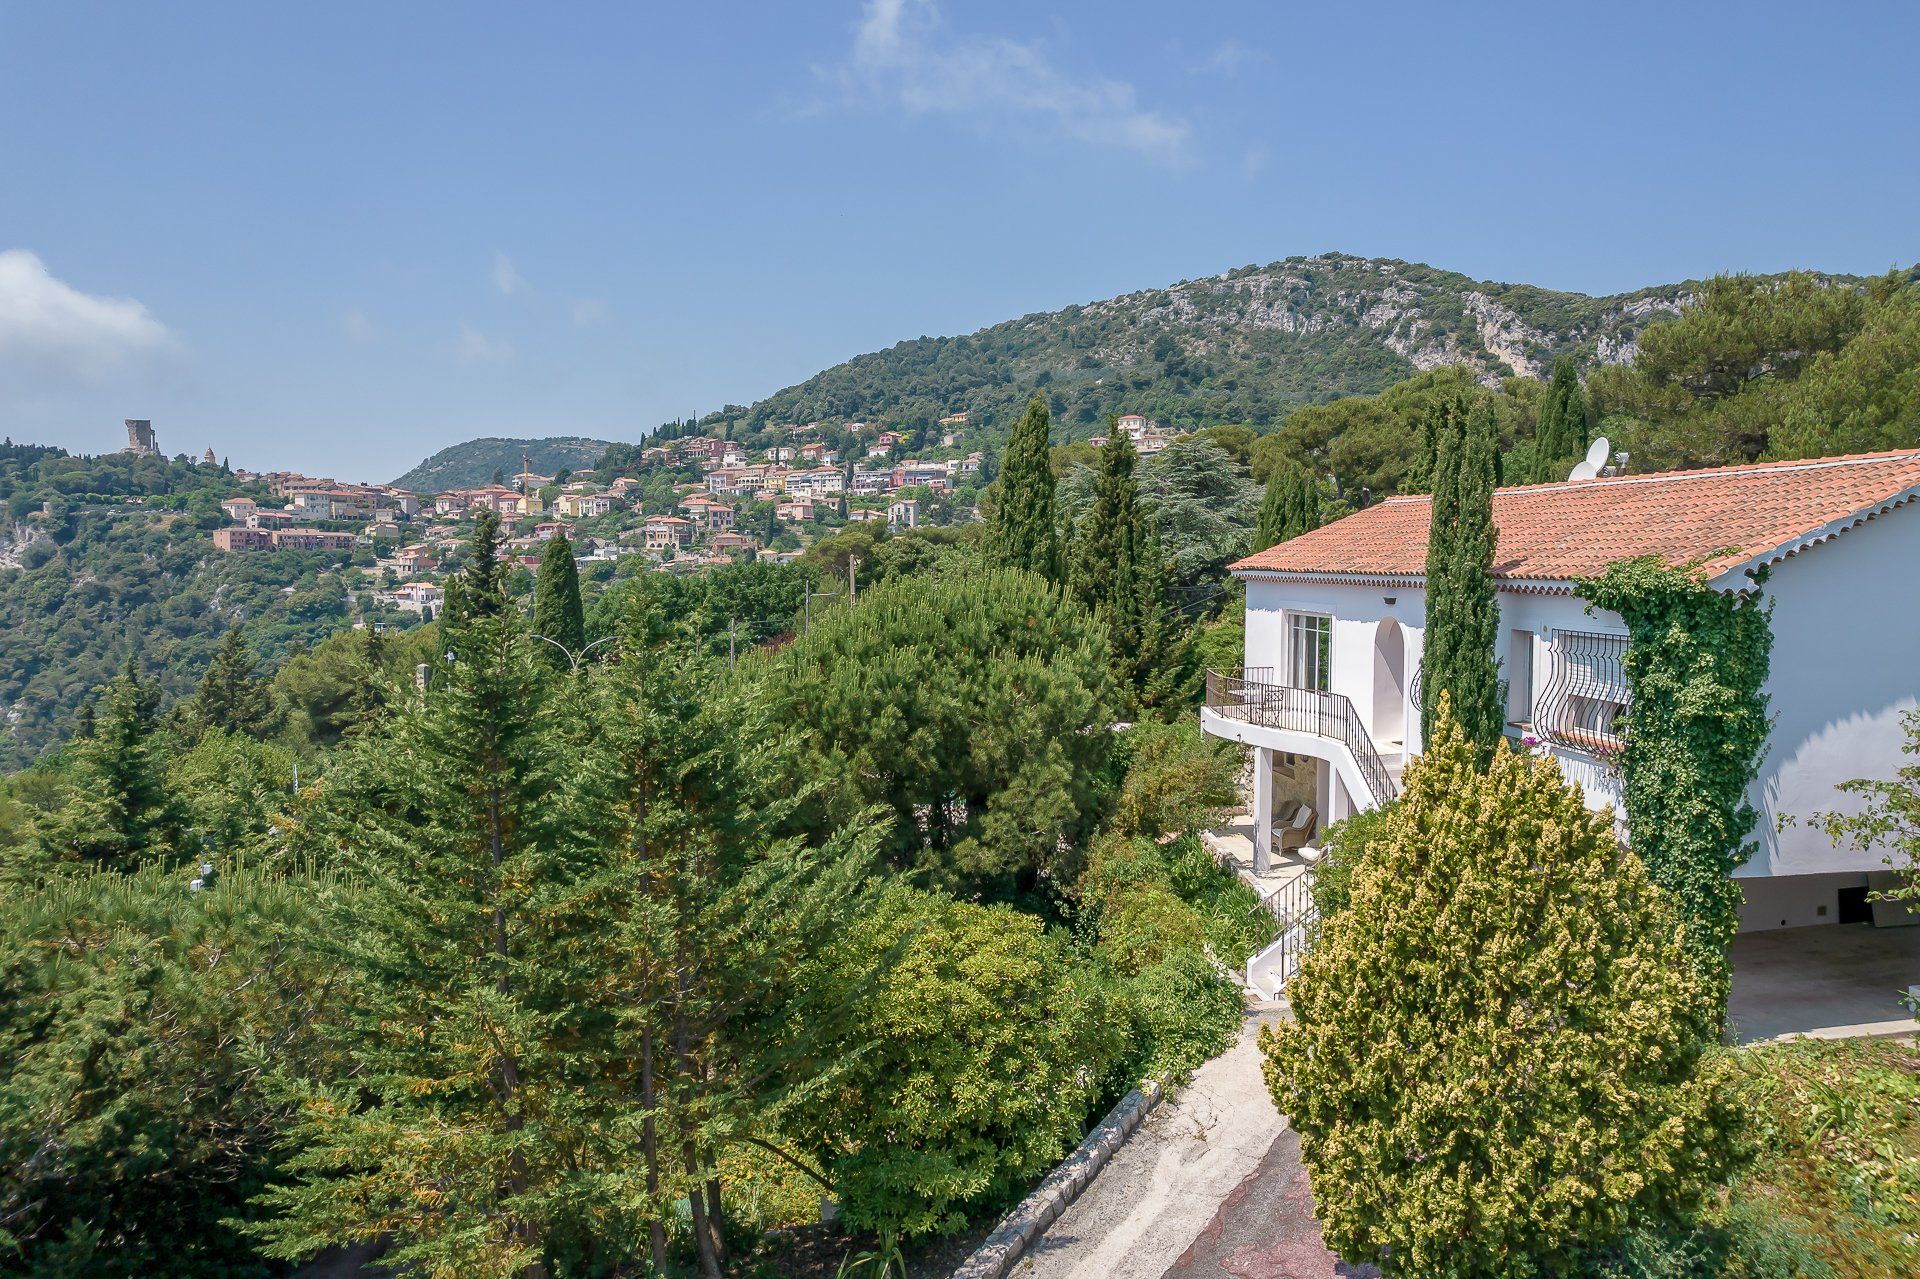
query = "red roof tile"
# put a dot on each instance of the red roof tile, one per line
(1722, 519)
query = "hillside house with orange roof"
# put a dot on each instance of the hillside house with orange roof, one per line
(1329, 695)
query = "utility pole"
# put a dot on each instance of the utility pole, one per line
(806, 624)
(730, 645)
(853, 581)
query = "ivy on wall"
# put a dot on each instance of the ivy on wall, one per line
(1696, 729)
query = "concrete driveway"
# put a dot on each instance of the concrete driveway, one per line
(1211, 1186)
(1830, 981)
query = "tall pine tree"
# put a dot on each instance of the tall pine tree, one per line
(557, 612)
(1560, 438)
(706, 918)
(450, 1123)
(121, 814)
(1463, 616)
(480, 588)
(231, 697)
(1023, 522)
(1291, 507)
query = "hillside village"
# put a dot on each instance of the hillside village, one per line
(683, 505)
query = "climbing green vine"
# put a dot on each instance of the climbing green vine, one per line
(1696, 728)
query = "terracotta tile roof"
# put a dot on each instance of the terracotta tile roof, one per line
(1723, 519)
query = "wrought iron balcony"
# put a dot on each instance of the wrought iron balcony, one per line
(1251, 695)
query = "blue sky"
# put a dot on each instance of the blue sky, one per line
(337, 237)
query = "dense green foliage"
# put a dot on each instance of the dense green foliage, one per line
(1202, 507)
(1025, 529)
(457, 829)
(1560, 438)
(1249, 346)
(1165, 918)
(1800, 365)
(557, 612)
(1291, 507)
(1498, 1061)
(1176, 778)
(970, 705)
(1116, 568)
(473, 463)
(120, 814)
(107, 558)
(1463, 618)
(955, 1104)
(1696, 727)
(586, 937)
(134, 1019)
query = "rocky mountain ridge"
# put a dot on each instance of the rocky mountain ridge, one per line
(1247, 345)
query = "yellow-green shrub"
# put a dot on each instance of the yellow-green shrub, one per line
(1498, 1061)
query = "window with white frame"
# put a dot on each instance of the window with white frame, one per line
(1310, 651)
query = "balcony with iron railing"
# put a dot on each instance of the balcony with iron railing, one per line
(1252, 696)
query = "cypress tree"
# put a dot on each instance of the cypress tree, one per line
(1105, 551)
(1165, 671)
(1117, 570)
(1463, 617)
(1561, 435)
(1023, 522)
(557, 612)
(1291, 507)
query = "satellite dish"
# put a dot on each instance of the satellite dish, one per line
(1583, 470)
(1598, 452)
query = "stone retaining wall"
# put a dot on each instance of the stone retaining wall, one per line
(1030, 1219)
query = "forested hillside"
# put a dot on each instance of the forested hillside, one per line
(106, 559)
(476, 462)
(1247, 346)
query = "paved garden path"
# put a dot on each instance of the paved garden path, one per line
(1210, 1186)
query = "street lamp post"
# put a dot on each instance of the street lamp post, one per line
(573, 658)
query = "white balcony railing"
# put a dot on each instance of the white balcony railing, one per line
(1251, 695)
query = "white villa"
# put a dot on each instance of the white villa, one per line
(1329, 696)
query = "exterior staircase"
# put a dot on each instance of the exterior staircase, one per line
(1293, 906)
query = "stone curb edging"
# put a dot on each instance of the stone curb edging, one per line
(1019, 1228)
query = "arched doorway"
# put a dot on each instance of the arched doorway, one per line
(1389, 686)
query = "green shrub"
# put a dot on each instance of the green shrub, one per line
(1177, 779)
(1164, 921)
(1182, 1012)
(1146, 924)
(974, 1065)
(1236, 924)
(1497, 1062)
(1343, 846)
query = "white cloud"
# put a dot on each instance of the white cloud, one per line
(1229, 57)
(47, 325)
(588, 312)
(476, 347)
(905, 56)
(358, 327)
(505, 278)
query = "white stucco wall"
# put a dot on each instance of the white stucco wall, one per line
(1356, 610)
(1846, 664)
